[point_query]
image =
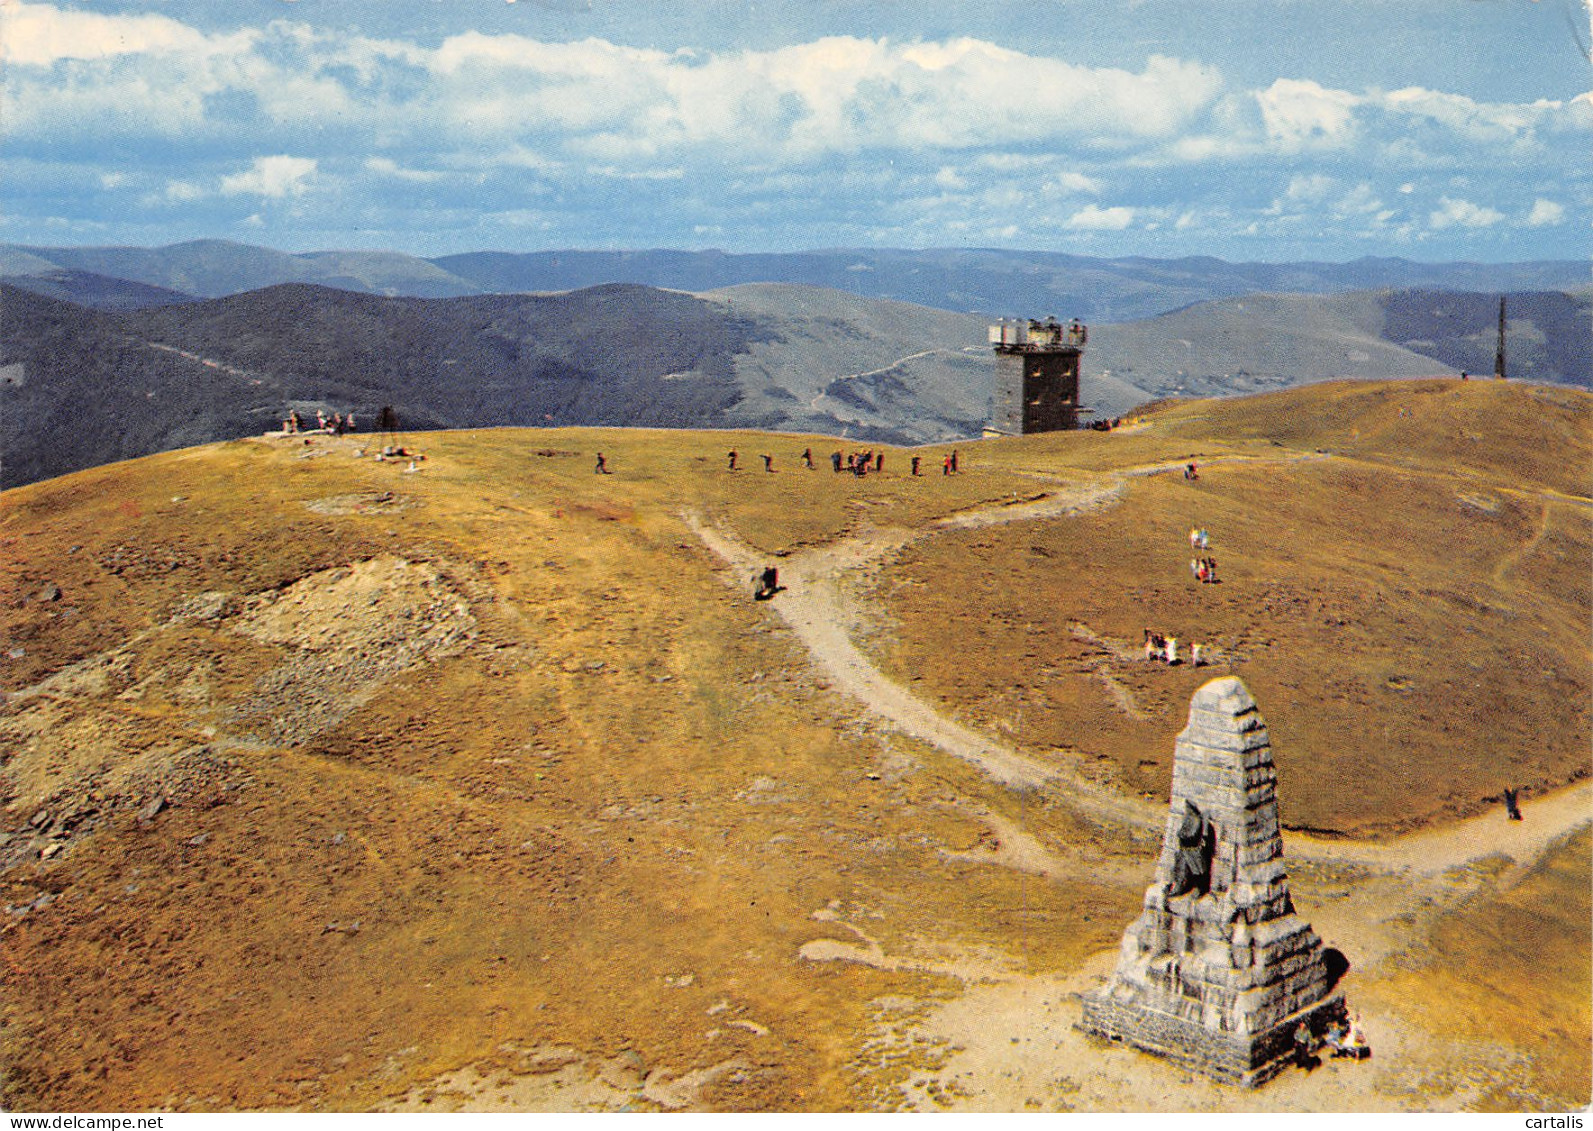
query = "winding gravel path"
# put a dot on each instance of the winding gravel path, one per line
(814, 604)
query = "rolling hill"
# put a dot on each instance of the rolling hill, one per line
(82, 386)
(984, 281)
(217, 268)
(482, 781)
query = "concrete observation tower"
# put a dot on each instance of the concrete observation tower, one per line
(1037, 376)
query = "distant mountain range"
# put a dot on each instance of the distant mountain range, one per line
(982, 281)
(116, 352)
(81, 386)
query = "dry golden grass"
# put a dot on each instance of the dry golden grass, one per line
(1509, 973)
(615, 811)
(610, 820)
(1414, 630)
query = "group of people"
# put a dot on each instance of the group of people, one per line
(335, 425)
(1341, 1039)
(859, 463)
(1165, 648)
(1204, 569)
(855, 463)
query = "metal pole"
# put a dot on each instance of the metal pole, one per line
(1499, 355)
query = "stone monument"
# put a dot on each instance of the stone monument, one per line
(1218, 972)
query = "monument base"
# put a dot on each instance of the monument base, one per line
(1246, 1060)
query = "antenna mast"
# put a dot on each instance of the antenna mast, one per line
(1499, 354)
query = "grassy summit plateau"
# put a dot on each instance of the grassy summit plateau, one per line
(333, 785)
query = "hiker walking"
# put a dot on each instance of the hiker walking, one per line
(602, 466)
(915, 465)
(807, 458)
(768, 463)
(954, 461)
(732, 459)
(945, 465)
(765, 584)
(879, 462)
(1512, 803)
(835, 462)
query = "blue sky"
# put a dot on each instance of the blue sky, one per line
(1249, 130)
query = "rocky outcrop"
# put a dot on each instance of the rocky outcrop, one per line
(1219, 971)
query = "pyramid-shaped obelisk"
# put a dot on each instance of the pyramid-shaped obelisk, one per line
(1218, 971)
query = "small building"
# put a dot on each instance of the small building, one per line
(1037, 376)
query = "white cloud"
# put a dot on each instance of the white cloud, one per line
(983, 132)
(836, 94)
(1465, 117)
(1545, 213)
(1078, 182)
(1462, 213)
(38, 35)
(1359, 201)
(1299, 113)
(1093, 219)
(387, 167)
(276, 176)
(1309, 187)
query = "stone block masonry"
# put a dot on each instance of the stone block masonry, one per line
(1218, 971)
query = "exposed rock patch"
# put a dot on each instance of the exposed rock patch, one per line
(347, 631)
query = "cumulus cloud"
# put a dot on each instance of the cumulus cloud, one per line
(1307, 187)
(1077, 182)
(277, 176)
(39, 35)
(387, 167)
(1299, 113)
(1476, 121)
(1545, 213)
(1463, 213)
(183, 192)
(905, 139)
(1091, 218)
(1359, 201)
